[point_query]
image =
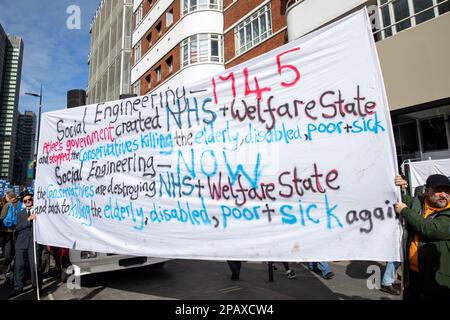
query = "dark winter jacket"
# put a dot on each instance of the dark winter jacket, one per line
(24, 231)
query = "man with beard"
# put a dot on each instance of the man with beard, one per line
(427, 239)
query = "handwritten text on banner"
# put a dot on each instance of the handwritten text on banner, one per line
(289, 157)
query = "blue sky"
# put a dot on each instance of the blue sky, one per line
(54, 56)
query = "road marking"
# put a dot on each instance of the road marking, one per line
(230, 289)
(233, 287)
(50, 296)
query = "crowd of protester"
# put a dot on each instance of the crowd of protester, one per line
(426, 244)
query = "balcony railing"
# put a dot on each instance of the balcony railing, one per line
(191, 6)
(392, 16)
(386, 15)
(290, 3)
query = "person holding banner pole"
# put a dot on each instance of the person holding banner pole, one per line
(27, 255)
(389, 276)
(36, 275)
(426, 239)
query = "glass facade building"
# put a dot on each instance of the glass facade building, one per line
(11, 54)
(24, 153)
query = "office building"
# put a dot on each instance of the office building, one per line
(76, 98)
(110, 54)
(3, 38)
(24, 155)
(12, 48)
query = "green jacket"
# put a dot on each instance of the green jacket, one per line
(434, 246)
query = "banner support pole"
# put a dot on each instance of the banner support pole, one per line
(35, 261)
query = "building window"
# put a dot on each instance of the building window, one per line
(169, 18)
(138, 16)
(148, 80)
(194, 5)
(253, 30)
(386, 19)
(137, 88)
(406, 141)
(401, 12)
(398, 15)
(137, 52)
(148, 37)
(444, 6)
(434, 134)
(169, 63)
(202, 48)
(159, 28)
(424, 10)
(216, 48)
(158, 74)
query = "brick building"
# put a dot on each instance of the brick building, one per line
(177, 42)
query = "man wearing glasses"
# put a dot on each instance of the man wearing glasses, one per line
(24, 247)
(427, 239)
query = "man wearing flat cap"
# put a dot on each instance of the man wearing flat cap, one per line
(427, 239)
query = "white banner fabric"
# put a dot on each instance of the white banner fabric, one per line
(287, 157)
(421, 170)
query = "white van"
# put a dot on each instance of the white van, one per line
(95, 262)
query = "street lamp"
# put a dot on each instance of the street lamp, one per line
(39, 116)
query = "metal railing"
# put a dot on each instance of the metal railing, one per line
(379, 18)
(406, 18)
(290, 3)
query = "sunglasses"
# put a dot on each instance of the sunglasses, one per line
(28, 200)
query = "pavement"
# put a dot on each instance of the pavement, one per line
(210, 280)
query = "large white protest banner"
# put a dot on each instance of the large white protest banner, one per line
(287, 157)
(421, 170)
